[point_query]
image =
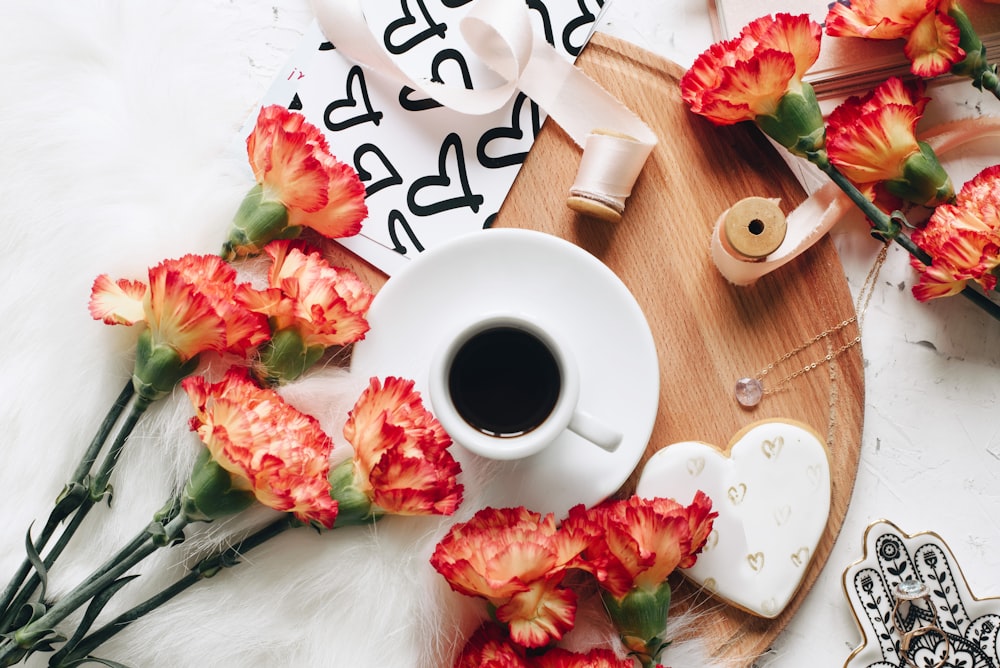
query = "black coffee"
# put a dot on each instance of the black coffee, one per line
(504, 381)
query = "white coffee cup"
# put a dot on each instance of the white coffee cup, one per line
(504, 386)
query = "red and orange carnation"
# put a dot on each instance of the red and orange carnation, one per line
(189, 307)
(640, 543)
(595, 658)
(872, 140)
(745, 77)
(310, 305)
(265, 445)
(490, 647)
(963, 240)
(299, 184)
(757, 76)
(515, 559)
(929, 27)
(401, 463)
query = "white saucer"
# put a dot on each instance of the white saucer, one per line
(534, 273)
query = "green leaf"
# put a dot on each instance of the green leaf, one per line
(36, 562)
(30, 612)
(72, 497)
(97, 604)
(43, 640)
(90, 659)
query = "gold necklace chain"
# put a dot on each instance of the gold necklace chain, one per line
(829, 357)
(750, 391)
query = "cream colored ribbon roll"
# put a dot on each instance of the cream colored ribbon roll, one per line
(616, 142)
(823, 209)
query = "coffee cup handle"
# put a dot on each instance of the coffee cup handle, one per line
(595, 431)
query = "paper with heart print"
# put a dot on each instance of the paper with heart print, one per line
(771, 489)
(430, 173)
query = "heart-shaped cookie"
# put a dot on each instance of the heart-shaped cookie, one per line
(771, 488)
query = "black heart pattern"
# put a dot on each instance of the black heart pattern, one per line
(442, 180)
(575, 33)
(417, 33)
(397, 220)
(524, 113)
(356, 90)
(385, 166)
(441, 57)
(543, 13)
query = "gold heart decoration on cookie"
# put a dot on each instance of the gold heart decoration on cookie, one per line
(771, 488)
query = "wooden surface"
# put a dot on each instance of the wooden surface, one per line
(708, 333)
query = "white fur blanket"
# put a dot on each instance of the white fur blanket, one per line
(119, 147)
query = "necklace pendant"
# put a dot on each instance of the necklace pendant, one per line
(749, 392)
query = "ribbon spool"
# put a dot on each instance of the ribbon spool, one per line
(609, 167)
(615, 142)
(753, 228)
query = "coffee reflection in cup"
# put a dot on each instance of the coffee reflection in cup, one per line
(505, 387)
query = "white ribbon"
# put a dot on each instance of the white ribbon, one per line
(616, 142)
(823, 209)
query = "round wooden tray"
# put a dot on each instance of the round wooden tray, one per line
(708, 332)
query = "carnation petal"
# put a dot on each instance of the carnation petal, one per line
(181, 316)
(797, 35)
(343, 208)
(416, 486)
(118, 302)
(877, 19)
(759, 83)
(874, 147)
(932, 46)
(540, 615)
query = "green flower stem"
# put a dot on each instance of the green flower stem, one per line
(206, 568)
(886, 227)
(890, 227)
(97, 490)
(99, 486)
(68, 500)
(41, 628)
(90, 456)
(990, 82)
(975, 64)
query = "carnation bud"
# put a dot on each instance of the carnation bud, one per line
(257, 222)
(641, 619)
(797, 122)
(209, 493)
(353, 505)
(924, 180)
(158, 368)
(286, 357)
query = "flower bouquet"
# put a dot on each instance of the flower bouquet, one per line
(869, 145)
(228, 421)
(524, 566)
(254, 461)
